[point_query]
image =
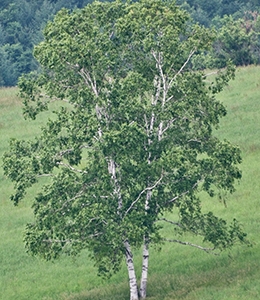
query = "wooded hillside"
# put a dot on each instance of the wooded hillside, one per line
(22, 23)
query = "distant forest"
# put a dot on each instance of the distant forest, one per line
(237, 25)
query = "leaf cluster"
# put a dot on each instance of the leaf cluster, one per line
(132, 132)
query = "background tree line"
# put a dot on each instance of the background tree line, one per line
(21, 25)
(237, 26)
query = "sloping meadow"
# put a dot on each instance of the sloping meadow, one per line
(176, 272)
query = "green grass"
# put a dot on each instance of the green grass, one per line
(176, 272)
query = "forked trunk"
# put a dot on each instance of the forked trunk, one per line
(144, 269)
(131, 272)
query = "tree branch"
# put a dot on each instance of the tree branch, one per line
(184, 193)
(182, 67)
(78, 195)
(71, 168)
(157, 85)
(88, 80)
(159, 65)
(177, 197)
(208, 250)
(162, 130)
(168, 221)
(44, 175)
(112, 166)
(211, 73)
(150, 188)
(51, 241)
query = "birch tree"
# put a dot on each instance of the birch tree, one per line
(130, 139)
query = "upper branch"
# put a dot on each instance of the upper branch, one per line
(88, 80)
(159, 64)
(182, 67)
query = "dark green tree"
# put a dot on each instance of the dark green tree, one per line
(21, 25)
(233, 43)
(131, 139)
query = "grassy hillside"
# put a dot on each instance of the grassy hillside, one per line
(176, 272)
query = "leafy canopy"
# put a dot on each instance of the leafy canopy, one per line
(131, 138)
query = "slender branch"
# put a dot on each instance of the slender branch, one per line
(44, 175)
(93, 219)
(194, 140)
(169, 99)
(183, 66)
(170, 122)
(168, 221)
(51, 241)
(185, 193)
(177, 100)
(209, 74)
(162, 76)
(52, 99)
(71, 168)
(192, 245)
(142, 192)
(177, 197)
(157, 85)
(76, 66)
(61, 153)
(78, 195)
(88, 80)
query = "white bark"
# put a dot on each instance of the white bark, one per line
(148, 190)
(90, 82)
(71, 168)
(117, 192)
(131, 272)
(144, 277)
(182, 67)
(160, 131)
(162, 84)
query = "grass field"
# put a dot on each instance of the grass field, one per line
(176, 272)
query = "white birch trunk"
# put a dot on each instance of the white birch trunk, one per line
(131, 272)
(117, 192)
(144, 277)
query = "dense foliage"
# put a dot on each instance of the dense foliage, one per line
(22, 21)
(21, 24)
(204, 11)
(132, 137)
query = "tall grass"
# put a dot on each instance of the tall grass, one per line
(176, 272)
